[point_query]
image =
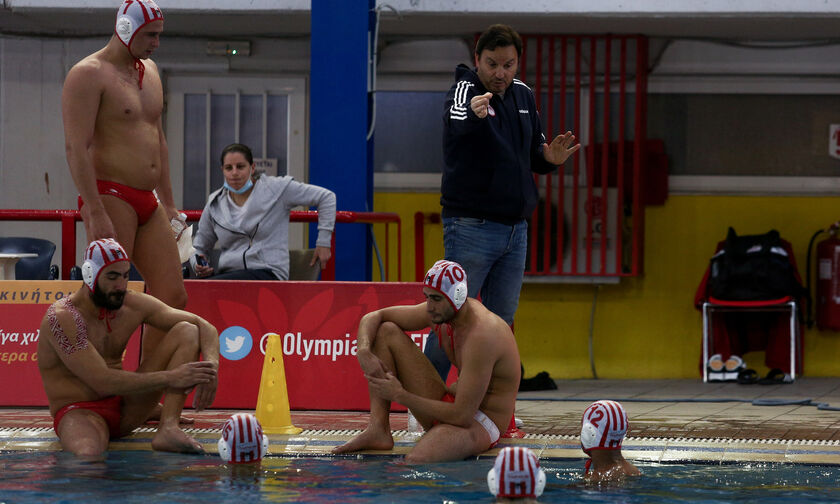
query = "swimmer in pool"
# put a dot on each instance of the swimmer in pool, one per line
(117, 153)
(462, 420)
(80, 351)
(516, 476)
(603, 427)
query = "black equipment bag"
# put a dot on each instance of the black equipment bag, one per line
(753, 267)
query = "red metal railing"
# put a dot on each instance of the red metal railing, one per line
(598, 193)
(68, 219)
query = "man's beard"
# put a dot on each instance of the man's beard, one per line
(111, 302)
(445, 317)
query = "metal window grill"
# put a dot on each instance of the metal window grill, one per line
(590, 217)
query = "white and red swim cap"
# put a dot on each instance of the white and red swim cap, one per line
(450, 279)
(516, 474)
(99, 254)
(133, 15)
(242, 440)
(603, 426)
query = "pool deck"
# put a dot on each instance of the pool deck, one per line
(671, 420)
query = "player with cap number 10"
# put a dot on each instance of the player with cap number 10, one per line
(462, 420)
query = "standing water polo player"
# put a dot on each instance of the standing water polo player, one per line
(80, 354)
(112, 103)
(462, 420)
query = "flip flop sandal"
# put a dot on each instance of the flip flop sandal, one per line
(776, 377)
(734, 363)
(747, 377)
(714, 368)
(733, 366)
(716, 363)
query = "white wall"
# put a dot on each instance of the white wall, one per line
(33, 171)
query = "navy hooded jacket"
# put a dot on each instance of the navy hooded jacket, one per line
(488, 163)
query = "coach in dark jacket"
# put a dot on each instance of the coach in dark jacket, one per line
(492, 144)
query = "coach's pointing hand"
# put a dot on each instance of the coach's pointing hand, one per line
(480, 104)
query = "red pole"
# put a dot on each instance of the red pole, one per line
(68, 242)
(535, 268)
(638, 146)
(523, 62)
(399, 250)
(419, 254)
(561, 196)
(575, 174)
(622, 104)
(548, 185)
(387, 255)
(605, 156)
(590, 159)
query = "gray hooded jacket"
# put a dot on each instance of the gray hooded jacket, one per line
(261, 241)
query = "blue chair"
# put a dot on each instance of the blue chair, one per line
(31, 268)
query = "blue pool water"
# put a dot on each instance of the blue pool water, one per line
(148, 477)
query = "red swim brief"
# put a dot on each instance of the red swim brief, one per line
(108, 409)
(143, 202)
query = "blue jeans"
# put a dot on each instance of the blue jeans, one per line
(493, 255)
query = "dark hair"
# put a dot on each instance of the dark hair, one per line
(240, 148)
(498, 35)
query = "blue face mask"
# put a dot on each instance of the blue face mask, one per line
(245, 188)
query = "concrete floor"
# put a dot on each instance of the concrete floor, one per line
(693, 409)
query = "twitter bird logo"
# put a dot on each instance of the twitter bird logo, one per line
(235, 343)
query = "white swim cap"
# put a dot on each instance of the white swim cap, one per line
(133, 15)
(516, 474)
(450, 279)
(99, 254)
(603, 426)
(242, 440)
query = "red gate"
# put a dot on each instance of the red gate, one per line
(590, 219)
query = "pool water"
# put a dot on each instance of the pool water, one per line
(149, 477)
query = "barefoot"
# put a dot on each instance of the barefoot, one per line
(369, 439)
(154, 416)
(173, 439)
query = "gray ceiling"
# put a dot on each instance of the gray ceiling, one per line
(78, 22)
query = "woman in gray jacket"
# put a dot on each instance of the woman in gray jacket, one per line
(249, 218)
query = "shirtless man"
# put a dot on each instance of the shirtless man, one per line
(111, 104)
(80, 355)
(603, 427)
(460, 421)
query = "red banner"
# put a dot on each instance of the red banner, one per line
(22, 306)
(317, 323)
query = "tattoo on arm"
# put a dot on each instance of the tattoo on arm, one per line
(58, 333)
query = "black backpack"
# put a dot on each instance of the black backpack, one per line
(753, 267)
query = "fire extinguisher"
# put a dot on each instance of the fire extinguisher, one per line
(828, 280)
